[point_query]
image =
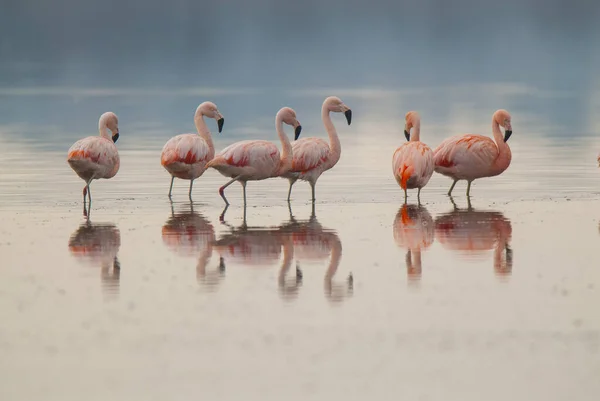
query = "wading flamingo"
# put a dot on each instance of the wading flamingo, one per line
(313, 156)
(257, 160)
(412, 162)
(468, 157)
(414, 231)
(98, 244)
(185, 156)
(96, 157)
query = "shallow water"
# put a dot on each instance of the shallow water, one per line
(358, 297)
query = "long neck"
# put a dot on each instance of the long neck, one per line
(415, 136)
(104, 132)
(204, 132)
(285, 163)
(504, 155)
(334, 141)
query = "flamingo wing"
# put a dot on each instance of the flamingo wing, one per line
(94, 156)
(413, 160)
(466, 152)
(309, 153)
(186, 149)
(257, 154)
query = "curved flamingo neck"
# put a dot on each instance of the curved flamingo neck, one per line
(285, 163)
(504, 155)
(204, 132)
(103, 129)
(334, 140)
(415, 136)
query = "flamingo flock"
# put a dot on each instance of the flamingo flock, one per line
(187, 156)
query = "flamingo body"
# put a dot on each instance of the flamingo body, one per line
(469, 157)
(413, 165)
(249, 160)
(93, 158)
(313, 156)
(185, 156)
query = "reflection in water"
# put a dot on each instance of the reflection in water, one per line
(260, 246)
(475, 232)
(189, 234)
(312, 243)
(414, 231)
(98, 244)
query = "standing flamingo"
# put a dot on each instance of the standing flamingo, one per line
(412, 162)
(313, 156)
(257, 160)
(185, 156)
(468, 157)
(96, 157)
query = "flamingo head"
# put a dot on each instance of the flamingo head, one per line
(335, 104)
(502, 117)
(412, 119)
(110, 120)
(210, 110)
(288, 116)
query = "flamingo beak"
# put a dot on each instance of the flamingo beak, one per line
(407, 135)
(220, 123)
(115, 137)
(348, 114)
(297, 132)
(507, 134)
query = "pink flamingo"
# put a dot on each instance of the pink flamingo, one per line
(313, 156)
(185, 156)
(96, 157)
(468, 157)
(413, 161)
(257, 160)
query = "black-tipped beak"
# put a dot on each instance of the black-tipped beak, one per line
(407, 135)
(348, 114)
(220, 123)
(507, 135)
(297, 132)
(115, 137)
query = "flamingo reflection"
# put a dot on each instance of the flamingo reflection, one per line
(413, 231)
(261, 247)
(314, 243)
(189, 234)
(475, 232)
(98, 244)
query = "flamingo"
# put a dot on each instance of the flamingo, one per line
(313, 156)
(96, 157)
(257, 160)
(474, 232)
(185, 156)
(414, 231)
(98, 244)
(468, 157)
(412, 162)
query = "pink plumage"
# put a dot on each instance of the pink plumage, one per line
(96, 157)
(468, 157)
(257, 160)
(185, 156)
(412, 162)
(313, 156)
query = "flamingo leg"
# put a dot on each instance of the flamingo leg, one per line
(171, 188)
(419, 196)
(222, 189)
(312, 185)
(452, 187)
(469, 188)
(244, 190)
(190, 194)
(292, 182)
(405, 196)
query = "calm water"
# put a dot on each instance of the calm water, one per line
(357, 298)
